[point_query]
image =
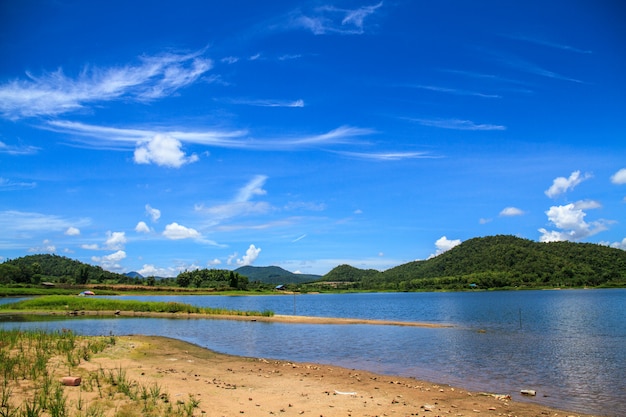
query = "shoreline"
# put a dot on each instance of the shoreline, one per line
(277, 318)
(228, 385)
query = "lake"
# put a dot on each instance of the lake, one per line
(569, 345)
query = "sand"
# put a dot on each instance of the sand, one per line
(228, 385)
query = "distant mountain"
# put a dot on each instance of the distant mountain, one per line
(274, 275)
(496, 262)
(133, 274)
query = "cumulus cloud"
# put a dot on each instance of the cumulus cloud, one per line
(47, 247)
(619, 177)
(110, 262)
(561, 184)
(511, 211)
(163, 150)
(251, 255)
(142, 227)
(155, 214)
(176, 231)
(443, 244)
(55, 93)
(115, 240)
(570, 219)
(72, 231)
(619, 245)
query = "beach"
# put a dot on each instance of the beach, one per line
(224, 385)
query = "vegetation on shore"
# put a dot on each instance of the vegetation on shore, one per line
(33, 362)
(496, 262)
(74, 303)
(493, 262)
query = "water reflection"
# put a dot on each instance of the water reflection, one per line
(571, 346)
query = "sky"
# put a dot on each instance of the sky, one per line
(161, 136)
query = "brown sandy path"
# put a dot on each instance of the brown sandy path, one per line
(236, 386)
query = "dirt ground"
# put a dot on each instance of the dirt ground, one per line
(224, 385)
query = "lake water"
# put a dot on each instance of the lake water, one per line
(569, 346)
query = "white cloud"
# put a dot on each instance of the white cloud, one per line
(251, 255)
(55, 93)
(619, 245)
(214, 262)
(92, 246)
(444, 244)
(18, 149)
(562, 184)
(386, 156)
(241, 204)
(163, 150)
(270, 103)
(619, 177)
(155, 214)
(47, 247)
(115, 240)
(330, 19)
(176, 231)
(142, 227)
(20, 221)
(511, 211)
(484, 220)
(570, 219)
(72, 231)
(110, 262)
(457, 124)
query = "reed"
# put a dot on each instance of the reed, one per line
(74, 303)
(31, 363)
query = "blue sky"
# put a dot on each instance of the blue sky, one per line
(160, 136)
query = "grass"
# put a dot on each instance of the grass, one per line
(75, 303)
(31, 363)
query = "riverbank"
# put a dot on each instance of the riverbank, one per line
(224, 385)
(277, 318)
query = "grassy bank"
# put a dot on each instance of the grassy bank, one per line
(32, 364)
(75, 303)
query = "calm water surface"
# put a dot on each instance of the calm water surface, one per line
(569, 346)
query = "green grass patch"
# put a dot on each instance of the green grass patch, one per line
(75, 303)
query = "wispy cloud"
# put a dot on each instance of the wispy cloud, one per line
(269, 103)
(234, 139)
(240, 205)
(8, 184)
(55, 93)
(532, 68)
(550, 44)
(18, 149)
(386, 156)
(458, 124)
(330, 19)
(455, 91)
(12, 221)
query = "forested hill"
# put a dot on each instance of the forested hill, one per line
(499, 261)
(36, 268)
(274, 275)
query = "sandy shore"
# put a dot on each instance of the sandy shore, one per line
(227, 385)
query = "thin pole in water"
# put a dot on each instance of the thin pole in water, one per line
(520, 318)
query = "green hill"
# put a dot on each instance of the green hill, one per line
(55, 268)
(499, 261)
(274, 275)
